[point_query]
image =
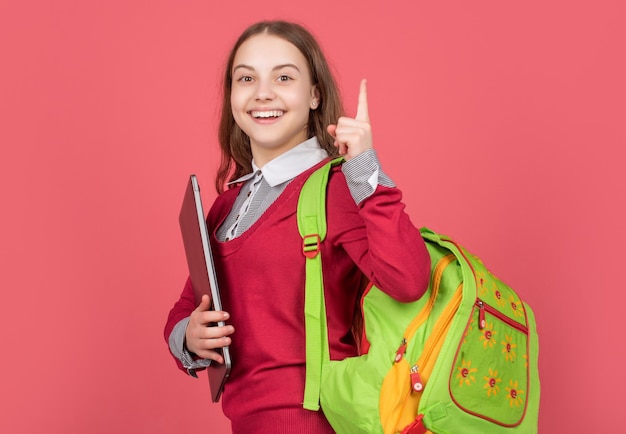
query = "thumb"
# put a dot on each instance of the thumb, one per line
(205, 303)
(331, 130)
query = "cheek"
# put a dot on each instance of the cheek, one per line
(237, 105)
(299, 99)
(235, 100)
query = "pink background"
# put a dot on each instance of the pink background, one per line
(503, 123)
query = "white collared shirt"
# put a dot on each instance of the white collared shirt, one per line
(287, 166)
(263, 186)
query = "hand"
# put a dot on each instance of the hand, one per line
(354, 136)
(201, 338)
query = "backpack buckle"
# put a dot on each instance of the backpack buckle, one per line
(311, 245)
(416, 427)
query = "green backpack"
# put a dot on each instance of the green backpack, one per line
(461, 359)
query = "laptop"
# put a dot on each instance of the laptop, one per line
(202, 272)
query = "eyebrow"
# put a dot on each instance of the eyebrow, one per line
(277, 67)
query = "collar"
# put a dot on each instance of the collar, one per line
(290, 164)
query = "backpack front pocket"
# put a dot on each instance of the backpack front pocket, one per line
(490, 374)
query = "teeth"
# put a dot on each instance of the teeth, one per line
(267, 114)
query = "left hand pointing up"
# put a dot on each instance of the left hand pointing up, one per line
(354, 136)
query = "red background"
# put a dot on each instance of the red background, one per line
(502, 122)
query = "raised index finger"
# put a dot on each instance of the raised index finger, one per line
(362, 113)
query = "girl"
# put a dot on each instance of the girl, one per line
(282, 119)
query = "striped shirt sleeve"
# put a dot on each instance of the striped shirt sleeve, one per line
(178, 349)
(363, 174)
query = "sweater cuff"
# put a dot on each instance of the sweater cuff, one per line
(363, 174)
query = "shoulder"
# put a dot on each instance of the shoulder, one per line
(337, 181)
(227, 197)
(339, 200)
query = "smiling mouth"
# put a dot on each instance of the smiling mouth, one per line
(266, 114)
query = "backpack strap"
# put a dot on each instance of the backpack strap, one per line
(311, 216)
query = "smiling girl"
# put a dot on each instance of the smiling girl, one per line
(281, 120)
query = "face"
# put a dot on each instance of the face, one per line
(271, 95)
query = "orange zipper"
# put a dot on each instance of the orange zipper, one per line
(423, 315)
(435, 340)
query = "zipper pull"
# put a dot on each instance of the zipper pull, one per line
(401, 350)
(481, 314)
(416, 381)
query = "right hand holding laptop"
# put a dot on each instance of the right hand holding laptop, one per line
(202, 337)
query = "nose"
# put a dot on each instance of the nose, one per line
(265, 91)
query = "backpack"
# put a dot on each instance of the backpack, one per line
(461, 359)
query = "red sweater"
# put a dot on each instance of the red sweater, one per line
(262, 275)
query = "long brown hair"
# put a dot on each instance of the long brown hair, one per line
(234, 143)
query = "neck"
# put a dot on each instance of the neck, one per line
(263, 155)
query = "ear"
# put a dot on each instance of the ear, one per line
(315, 97)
